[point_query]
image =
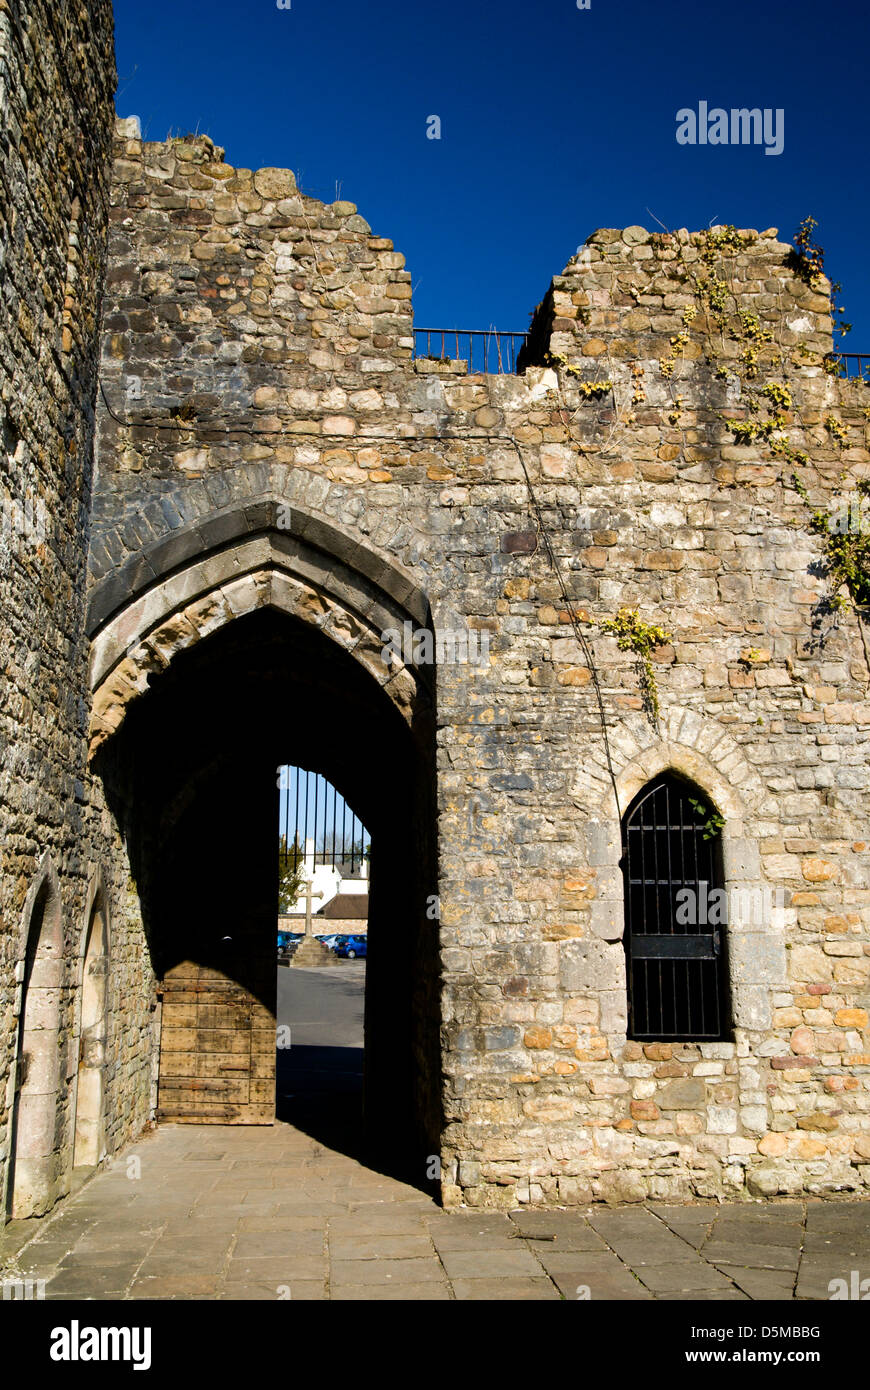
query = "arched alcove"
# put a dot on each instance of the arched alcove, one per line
(35, 1172)
(89, 1146)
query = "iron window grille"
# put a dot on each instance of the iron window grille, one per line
(675, 942)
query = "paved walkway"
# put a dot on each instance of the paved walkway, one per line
(228, 1213)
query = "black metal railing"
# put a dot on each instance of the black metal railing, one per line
(853, 364)
(486, 350)
(312, 813)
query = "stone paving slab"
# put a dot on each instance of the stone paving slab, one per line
(757, 1256)
(234, 1214)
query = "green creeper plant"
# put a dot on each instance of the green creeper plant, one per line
(712, 821)
(633, 634)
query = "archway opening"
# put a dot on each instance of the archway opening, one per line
(191, 775)
(324, 856)
(35, 1171)
(675, 914)
(90, 1087)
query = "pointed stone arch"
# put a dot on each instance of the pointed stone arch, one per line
(262, 610)
(686, 741)
(36, 1176)
(349, 593)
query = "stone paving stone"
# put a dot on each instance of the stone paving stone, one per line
(390, 1247)
(456, 1234)
(16, 1234)
(773, 1284)
(504, 1290)
(299, 1196)
(571, 1232)
(579, 1262)
(261, 1244)
(704, 1296)
(277, 1271)
(382, 1221)
(838, 1222)
(414, 1271)
(182, 1238)
(662, 1250)
(116, 1275)
(226, 1212)
(586, 1242)
(685, 1277)
(627, 1224)
(750, 1256)
(814, 1280)
(382, 1293)
(752, 1217)
(300, 1222)
(300, 1209)
(482, 1223)
(301, 1290)
(489, 1264)
(105, 1255)
(179, 1286)
(463, 1243)
(619, 1286)
(83, 1283)
(735, 1233)
(844, 1248)
(166, 1266)
(50, 1250)
(686, 1217)
(36, 1269)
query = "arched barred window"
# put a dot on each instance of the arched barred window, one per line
(675, 915)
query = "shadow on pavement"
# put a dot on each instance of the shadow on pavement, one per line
(319, 1091)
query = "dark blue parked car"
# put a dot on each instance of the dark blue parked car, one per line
(351, 947)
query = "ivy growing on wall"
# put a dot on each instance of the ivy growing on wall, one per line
(634, 635)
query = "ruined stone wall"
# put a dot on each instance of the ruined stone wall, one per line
(258, 370)
(57, 79)
(652, 504)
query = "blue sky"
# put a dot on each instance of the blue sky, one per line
(554, 121)
(311, 807)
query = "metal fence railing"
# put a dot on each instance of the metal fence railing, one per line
(315, 819)
(853, 364)
(496, 351)
(487, 350)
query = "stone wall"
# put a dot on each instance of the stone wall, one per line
(273, 462)
(652, 503)
(57, 78)
(262, 399)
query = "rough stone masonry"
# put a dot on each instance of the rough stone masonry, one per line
(279, 481)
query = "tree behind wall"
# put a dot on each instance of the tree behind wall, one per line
(291, 861)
